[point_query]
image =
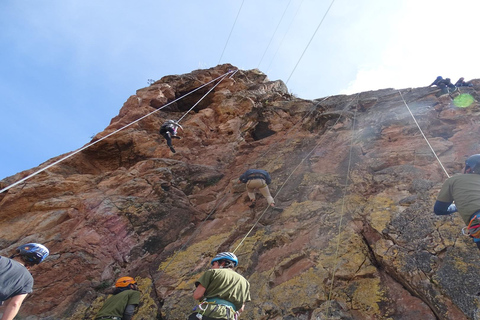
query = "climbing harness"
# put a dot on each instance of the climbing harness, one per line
(118, 130)
(230, 307)
(473, 228)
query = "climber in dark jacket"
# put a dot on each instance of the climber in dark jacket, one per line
(169, 130)
(257, 179)
(464, 189)
(436, 81)
(446, 86)
(462, 83)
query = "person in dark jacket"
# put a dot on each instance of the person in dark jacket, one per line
(16, 282)
(257, 179)
(121, 305)
(169, 130)
(436, 81)
(462, 83)
(464, 190)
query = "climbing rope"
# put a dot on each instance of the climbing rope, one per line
(195, 232)
(273, 35)
(284, 35)
(342, 213)
(233, 27)
(222, 78)
(114, 132)
(295, 169)
(312, 109)
(424, 137)
(308, 44)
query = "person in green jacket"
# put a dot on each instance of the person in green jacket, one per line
(222, 292)
(462, 193)
(121, 305)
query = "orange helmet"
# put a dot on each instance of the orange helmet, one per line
(124, 282)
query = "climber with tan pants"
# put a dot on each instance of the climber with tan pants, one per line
(257, 179)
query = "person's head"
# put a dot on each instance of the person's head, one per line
(126, 283)
(447, 79)
(472, 164)
(461, 79)
(31, 253)
(224, 260)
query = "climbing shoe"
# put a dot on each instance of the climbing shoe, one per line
(252, 204)
(176, 137)
(172, 149)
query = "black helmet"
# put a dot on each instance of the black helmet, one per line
(33, 253)
(473, 163)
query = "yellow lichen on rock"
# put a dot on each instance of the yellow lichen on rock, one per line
(380, 209)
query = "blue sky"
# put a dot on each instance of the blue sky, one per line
(67, 66)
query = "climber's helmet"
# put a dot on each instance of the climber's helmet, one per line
(124, 282)
(226, 256)
(33, 253)
(473, 163)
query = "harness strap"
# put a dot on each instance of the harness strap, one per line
(473, 228)
(216, 300)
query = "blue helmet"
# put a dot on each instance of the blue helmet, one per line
(226, 256)
(473, 163)
(33, 252)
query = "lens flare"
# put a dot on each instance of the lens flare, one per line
(463, 100)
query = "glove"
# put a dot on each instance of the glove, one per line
(452, 208)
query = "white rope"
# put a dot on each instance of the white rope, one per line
(342, 213)
(228, 39)
(288, 178)
(308, 44)
(284, 35)
(273, 35)
(424, 137)
(108, 135)
(224, 76)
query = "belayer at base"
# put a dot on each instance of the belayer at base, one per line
(15, 279)
(222, 292)
(464, 189)
(121, 305)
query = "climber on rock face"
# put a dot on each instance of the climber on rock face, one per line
(222, 292)
(121, 305)
(257, 179)
(169, 130)
(462, 83)
(464, 190)
(15, 279)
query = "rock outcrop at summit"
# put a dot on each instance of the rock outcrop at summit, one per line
(357, 180)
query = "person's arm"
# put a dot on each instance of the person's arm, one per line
(442, 208)
(12, 306)
(199, 292)
(242, 308)
(129, 311)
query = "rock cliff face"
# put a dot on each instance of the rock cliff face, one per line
(357, 180)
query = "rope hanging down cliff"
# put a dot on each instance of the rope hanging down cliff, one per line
(295, 169)
(424, 137)
(220, 78)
